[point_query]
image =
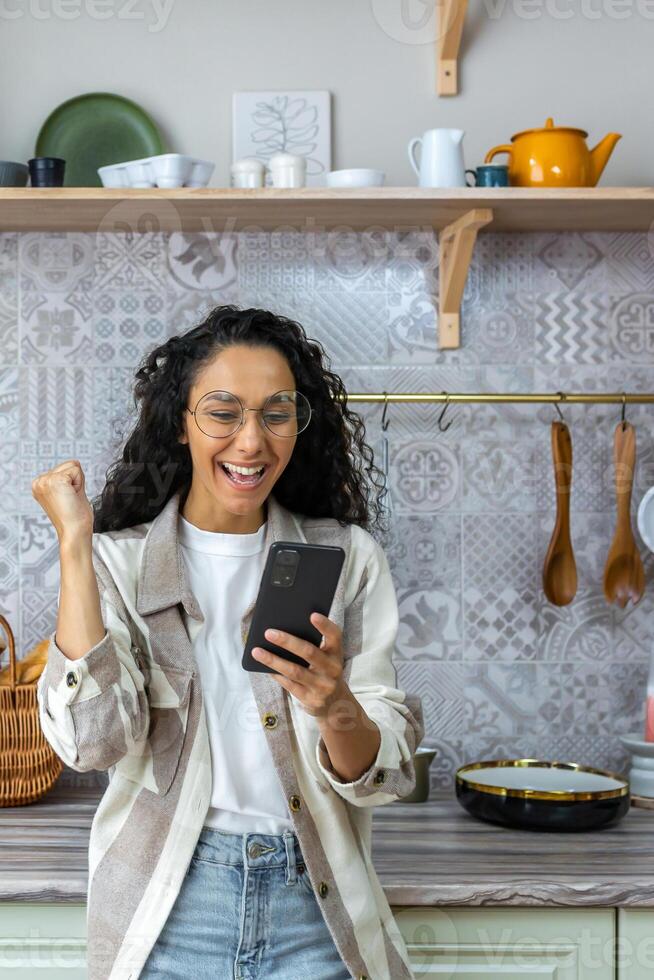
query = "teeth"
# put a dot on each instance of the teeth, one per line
(244, 470)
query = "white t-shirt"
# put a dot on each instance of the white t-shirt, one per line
(224, 574)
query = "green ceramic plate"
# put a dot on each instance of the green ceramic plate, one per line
(92, 130)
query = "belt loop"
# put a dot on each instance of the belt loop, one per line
(291, 869)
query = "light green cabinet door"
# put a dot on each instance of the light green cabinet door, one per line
(42, 941)
(48, 941)
(509, 943)
(635, 947)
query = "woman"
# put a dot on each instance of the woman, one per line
(233, 839)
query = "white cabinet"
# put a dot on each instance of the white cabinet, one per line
(635, 948)
(48, 941)
(42, 941)
(509, 943)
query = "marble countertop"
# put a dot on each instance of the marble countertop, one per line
(431, 853)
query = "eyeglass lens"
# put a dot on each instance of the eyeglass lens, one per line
(286, 413)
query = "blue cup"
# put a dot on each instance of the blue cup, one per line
(490, 175)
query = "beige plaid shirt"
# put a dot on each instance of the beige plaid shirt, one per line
(133, 705)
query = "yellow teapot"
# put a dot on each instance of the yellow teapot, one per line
(555, 156)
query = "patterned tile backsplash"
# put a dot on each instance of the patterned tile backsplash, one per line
(501, 671)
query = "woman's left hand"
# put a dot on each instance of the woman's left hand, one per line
(321, 683)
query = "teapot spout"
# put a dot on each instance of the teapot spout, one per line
(599, 155)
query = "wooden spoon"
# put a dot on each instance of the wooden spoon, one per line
(559, 569)
(624, 576)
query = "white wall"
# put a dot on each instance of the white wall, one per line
(181, 59)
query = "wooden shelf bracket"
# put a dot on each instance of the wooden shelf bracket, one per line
(452, 14)
(456, 243)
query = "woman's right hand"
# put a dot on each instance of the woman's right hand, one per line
(60, 492)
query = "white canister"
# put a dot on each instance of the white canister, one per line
(248, 172)
(287, 169)
(641, 771)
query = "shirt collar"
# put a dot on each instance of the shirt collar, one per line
(163, 577)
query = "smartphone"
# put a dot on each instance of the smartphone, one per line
(298, 579)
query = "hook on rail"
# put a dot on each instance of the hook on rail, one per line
(384, 420)
(556, 405)
(444, 428)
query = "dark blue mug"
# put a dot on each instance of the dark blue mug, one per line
(46, 171)
(490, 175)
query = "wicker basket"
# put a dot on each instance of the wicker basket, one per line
(28, 764)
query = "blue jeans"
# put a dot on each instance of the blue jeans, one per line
(246, 911)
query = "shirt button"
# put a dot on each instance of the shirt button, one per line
(323, 888)
(294, 802)
(380, 776)
(71, 679)
(270, 720)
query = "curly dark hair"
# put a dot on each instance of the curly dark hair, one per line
(326, 474)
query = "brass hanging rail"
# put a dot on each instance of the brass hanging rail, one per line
(605, 398)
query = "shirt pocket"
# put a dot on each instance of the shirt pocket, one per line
(169, 697)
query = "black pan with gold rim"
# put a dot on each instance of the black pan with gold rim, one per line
(537, 795)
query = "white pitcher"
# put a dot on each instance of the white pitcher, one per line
(441, 159)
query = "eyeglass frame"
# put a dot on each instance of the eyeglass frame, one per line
(244, 410)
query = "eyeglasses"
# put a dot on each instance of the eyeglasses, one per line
(286, 413)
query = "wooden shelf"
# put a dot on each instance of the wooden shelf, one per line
(314, 209)
(459, 214)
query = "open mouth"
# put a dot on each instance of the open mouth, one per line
(240, 479)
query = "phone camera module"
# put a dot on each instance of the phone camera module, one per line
(285, 568)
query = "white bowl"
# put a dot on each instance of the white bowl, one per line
(139, 174)
(171, 169)
(163, 170)
(357, 177)
(201, 172)
(112, 176)
(646, 518)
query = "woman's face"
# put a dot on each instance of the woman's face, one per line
(215, 501)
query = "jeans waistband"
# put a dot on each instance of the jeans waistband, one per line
(252, 849)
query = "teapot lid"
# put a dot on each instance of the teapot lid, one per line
(549, 127)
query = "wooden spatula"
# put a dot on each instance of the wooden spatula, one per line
(624, 576)
(560, 569)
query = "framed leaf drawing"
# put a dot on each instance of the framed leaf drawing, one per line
(291, 121)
